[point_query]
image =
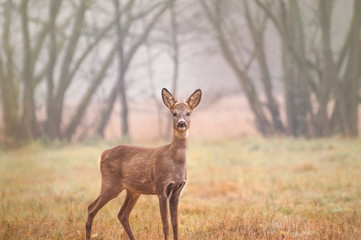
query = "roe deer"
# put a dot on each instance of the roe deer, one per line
(160, 171)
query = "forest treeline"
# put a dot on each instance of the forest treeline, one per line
(321, 81)
(48, 46)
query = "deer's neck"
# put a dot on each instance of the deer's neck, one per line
(178, 146)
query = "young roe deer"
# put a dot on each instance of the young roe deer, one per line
(160, 171)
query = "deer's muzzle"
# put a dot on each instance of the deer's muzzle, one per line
(181, 124)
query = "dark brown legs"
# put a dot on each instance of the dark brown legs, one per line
(173, 207)
(172, 193)
(123, 215)
(104, 197)
(163, 206)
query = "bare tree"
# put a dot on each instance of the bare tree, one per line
(68, 67)
(128, 44)
(64, 58)
(9, 84)
(331, 76)
(320, 83)
(43, 57)
(234, 53)
(171, 36)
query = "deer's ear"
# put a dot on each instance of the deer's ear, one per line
(194, 99)
(168, 98)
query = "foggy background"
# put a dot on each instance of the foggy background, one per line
(274, 148)
(75, 70)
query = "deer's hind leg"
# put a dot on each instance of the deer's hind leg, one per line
(123, 215)
(107, 193)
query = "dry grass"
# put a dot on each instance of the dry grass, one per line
(237, 189)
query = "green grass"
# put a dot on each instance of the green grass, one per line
(249, 188)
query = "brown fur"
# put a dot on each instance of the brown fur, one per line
(160, 171)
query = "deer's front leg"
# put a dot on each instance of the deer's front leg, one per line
(163, 206)
(173, 205)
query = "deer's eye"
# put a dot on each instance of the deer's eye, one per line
(174, 114)
(188, 113)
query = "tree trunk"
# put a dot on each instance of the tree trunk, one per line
(329, 77)
(295, 77)
(122, 90)
(257, 34)
(351, 79)
(8, 87)
(50, 125)
(29, 121)
(215, 18)
(124, 111)
(55, 106)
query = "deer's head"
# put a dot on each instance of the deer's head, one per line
(181, 111)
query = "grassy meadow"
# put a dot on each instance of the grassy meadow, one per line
(249, 188)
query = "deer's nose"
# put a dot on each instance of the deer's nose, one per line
(181, 124)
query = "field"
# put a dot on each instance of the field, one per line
(249, 188)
